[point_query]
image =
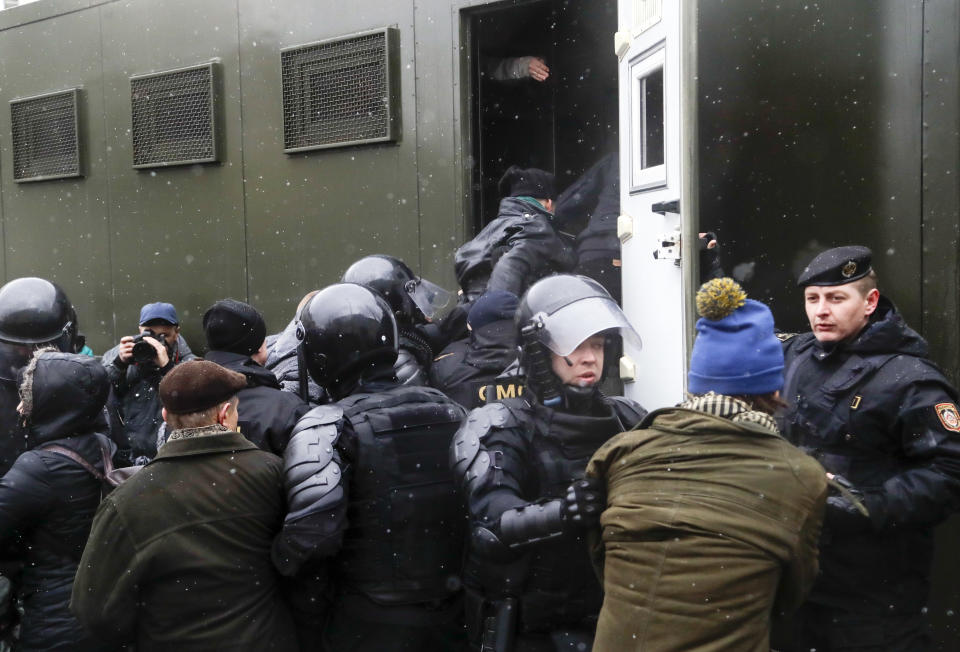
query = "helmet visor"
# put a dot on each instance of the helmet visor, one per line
(430, 298)
(569, 326)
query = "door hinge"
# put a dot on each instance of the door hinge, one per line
(621, 43)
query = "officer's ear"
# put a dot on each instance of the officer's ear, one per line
(163, 413)
(872, 298)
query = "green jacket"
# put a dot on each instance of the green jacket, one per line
(710, 527)
(179, 555)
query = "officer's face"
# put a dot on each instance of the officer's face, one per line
(585, 363)
(838, 312)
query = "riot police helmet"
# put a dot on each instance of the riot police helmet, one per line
(557, 314)
(413, 299)
(33, 312)
(347, 332)
(567, 309)
(36, 311)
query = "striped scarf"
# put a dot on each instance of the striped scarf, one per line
(730, 408)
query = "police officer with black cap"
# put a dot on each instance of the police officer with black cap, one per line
(33, 312)
(521, 245)
(370, 496)
(865, 401)
(521, 463)
(415, 302)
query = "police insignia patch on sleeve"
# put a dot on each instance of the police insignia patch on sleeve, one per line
(949, 417)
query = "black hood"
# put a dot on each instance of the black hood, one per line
(63, 395)
(256, 374)
(493, 346)
(886, 333)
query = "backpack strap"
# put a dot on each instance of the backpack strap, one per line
(73, 455)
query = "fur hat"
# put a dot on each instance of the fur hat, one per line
(198, 385)
(736, 352)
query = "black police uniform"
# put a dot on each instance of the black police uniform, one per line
(396, 572)
(514, 250)
(517, 456)
(875, 410)
(465, 369)
(375, 531)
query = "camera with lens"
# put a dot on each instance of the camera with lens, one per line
(144, 352)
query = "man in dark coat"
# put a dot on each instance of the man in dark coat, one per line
(521, 245)
(179, 555)
(870, 407)
(135, 382)
(465, 368)
(236, 336)
(49, 499)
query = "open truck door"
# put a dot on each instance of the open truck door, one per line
(657, 204)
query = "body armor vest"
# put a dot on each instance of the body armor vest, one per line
(560, 587)
(406, 528)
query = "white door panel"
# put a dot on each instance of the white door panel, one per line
(650, 158)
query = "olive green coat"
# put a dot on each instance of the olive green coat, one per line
(709, 525)
(179, 555)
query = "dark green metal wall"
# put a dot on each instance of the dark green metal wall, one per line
(829, 123)
(260, 225)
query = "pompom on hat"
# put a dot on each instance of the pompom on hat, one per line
(736, 351)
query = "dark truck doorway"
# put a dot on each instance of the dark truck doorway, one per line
(564, 124)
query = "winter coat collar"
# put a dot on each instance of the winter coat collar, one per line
(681, 419)
(731, 408)
(886, 332)
(222, 442)
(520, 207)
(244, 364)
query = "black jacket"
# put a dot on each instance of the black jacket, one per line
(135, 387)
(466, 366)
(594, 198)
(878, 412)
(518, 453)
(513, 251)
(49, 500)
(267, 414)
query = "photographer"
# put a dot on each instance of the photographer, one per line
(136, 366)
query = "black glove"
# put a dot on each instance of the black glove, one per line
(585, 501)
(849, 509)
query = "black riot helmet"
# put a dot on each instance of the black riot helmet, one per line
(347, 332)
(556, 315)
(33, 312)
(413, 300)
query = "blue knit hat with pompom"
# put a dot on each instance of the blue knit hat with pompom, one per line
(736, 352)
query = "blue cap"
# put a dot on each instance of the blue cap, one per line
(495, 305)
(159, 310)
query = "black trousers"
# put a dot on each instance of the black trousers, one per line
(827, 629)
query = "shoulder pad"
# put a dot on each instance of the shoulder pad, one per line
(783, 337)
(465, 449)
(319, 416)
(628, 411)
(311, 468)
